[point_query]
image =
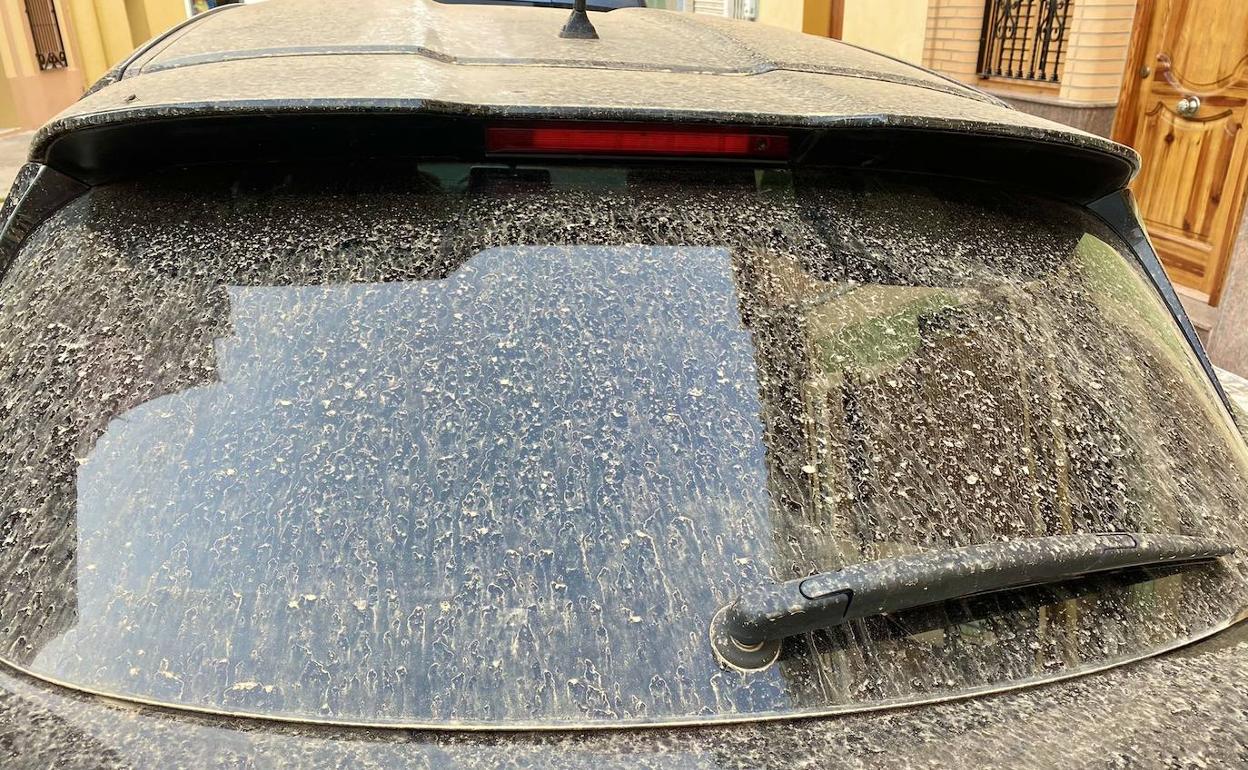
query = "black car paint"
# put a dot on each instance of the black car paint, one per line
(592, 5)
(1178, 710)
(69, 165)
(1118, 211)
(1151, 703)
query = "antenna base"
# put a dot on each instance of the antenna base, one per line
(579, 27)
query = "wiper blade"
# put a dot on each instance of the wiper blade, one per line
(746, 634)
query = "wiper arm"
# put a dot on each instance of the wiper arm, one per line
(746, 634)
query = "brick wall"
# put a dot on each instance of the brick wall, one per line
(953, 30)
(1091, 70)
(1097, 50)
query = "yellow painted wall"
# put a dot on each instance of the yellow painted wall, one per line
(895, 27)
(136, 16)
(97, 35)
(8, 107)
(149, 18)
(35, 95)
(90, 46)
(115, 30)
(817, 17)
(782, 13)
(11, 64)
(18, 52)
(102, 35)
(105, 31)
(163, 14)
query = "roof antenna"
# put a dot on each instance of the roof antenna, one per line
(578, 26)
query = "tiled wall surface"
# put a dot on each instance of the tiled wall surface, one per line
(1096, 50)
(953, 30)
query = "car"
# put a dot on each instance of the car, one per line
(591, 5)
(402, 384)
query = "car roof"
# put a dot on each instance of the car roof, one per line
(592, 5)
(289, 56)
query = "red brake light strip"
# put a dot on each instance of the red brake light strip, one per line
(635, 140)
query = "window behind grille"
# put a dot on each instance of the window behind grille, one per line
(1023, 39)
(46, 31)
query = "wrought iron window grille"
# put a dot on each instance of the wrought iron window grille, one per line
(45, 29)
(1023, 39)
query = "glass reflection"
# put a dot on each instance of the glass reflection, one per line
(378, 462)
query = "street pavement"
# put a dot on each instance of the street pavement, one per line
(13, 147)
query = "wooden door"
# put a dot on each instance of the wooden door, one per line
(1183, 105)
(824, 18)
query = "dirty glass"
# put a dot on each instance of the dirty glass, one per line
(484, 447)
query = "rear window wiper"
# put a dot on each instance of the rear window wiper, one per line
(746, 634)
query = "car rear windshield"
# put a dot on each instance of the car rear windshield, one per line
(467, 446)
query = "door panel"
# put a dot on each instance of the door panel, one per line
(1183, 108)
(1206, 40)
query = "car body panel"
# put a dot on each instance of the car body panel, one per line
(379, 82)
(1160, 712)
(472, 34)
(426, 57)
(421, 57)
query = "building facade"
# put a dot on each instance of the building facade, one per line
(1071, 75)
(1062, 59)
(52, 50)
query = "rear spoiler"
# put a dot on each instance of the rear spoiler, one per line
(101, 148)
(72, 155)
(82, 150)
